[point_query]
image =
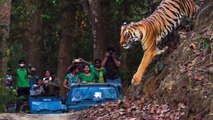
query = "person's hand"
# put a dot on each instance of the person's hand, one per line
(81, 59)
(76, 60)
(113, 55)
(107, 54)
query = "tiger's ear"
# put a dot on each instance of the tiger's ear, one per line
(123, 27)
(125, 23)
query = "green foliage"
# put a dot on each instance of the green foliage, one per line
(2, 2)
(51, 15)
(16, 53)
(119, 2)
(206, 41)
(20, 19)
(8, 94)
(46, 18)
(22, 13)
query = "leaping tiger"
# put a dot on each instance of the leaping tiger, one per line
(151, 30)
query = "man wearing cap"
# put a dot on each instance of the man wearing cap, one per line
(33, 77)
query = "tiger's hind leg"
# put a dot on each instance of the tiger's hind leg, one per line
(147, 58)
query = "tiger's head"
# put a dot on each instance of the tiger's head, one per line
(130, 34)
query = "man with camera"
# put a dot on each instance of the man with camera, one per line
(112, 64)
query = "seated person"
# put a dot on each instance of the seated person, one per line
(87, 76)
(37, 88)
(99, 71)
(80, 62)
(71, 77)
(33, 77)
(47, 80)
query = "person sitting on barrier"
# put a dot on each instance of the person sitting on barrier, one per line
(80, 62)
(99, 71)
(87, 76)
(33, 77)
(72, 77)
(47, 80)
(37, 89)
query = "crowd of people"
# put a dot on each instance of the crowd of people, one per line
(28, 83)
(106, 71)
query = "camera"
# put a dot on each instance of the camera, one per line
(110, 52)
(21, 65)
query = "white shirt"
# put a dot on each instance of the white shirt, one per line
(36, 91)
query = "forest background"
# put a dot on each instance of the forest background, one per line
(49, 34)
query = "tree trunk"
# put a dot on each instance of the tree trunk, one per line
(65, 54)
(32, 38)
(35, 54)
(93, 10)
(5, 12)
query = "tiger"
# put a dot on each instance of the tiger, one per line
(150, 31)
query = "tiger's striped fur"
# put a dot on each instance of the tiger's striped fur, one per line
(151, 30)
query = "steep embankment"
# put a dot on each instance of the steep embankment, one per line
(184, 88)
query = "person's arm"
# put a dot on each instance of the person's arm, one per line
(117, 62)
(78, 81)
(65, 84)
(84, 61)
(37, 86)
(105, 59)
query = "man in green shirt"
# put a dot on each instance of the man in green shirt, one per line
(22, 83)
(22, 78)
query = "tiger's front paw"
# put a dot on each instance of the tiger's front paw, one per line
(136, 80)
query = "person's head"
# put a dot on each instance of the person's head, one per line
(9, 71)
(22, 63)
(47, 73)
(111, 50)
(97, 63)
(86, 68)
(74, 69)
(33, 70)
(39, 81)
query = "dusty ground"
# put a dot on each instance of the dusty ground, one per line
(20, 116)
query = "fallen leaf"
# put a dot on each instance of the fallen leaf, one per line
(192, 46)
